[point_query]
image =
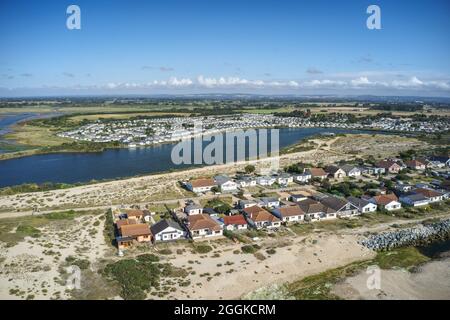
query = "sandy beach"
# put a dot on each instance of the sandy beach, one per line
(430, 282)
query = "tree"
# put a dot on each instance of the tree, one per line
(326, 184)
(249, 169)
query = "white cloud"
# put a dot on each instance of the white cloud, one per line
(361, 81)
(345, 85)
(240, 83)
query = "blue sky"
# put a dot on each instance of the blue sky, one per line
(229, 46)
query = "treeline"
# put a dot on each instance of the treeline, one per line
(397, 107)
(83, 146)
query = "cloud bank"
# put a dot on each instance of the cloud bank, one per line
(241, 83)
(361, 84)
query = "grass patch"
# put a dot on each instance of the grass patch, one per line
(302, 229)
(400, 258)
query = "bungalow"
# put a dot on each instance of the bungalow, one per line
(315, 210)
(235, 223)
(302, 178)
(342, 207)
(285, 178)
(388, 202)
(167, 230)
(435, 164)
(139, 232)
(431, 195)
(135, 214)
(299, 196)
(378, 170)
(317, 173)
(367, 170)
(415, 165)
(351, 171)
(225, 184)
(289, 214)
(402, 187)
(203, 226)
(245, 182)
(243, 204)
(363, 205)
(265, 181)
(270, 202)
(414, 200)
(390, 166)
(260, 218)
(444, 160)
(201, 185)
(335, 172)
(193, 209)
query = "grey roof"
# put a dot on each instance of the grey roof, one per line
(221, 179)
(416, 197)
(334, 203)
(193, 207)
(269, 199)
(164, 224)
(348, 168)
(246, 201)
(360, 203)
(331, 169)
(209, 211)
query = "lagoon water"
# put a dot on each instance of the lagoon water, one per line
(114, 163)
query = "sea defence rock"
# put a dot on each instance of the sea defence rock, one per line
(422, 234)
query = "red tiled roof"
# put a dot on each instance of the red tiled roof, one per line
(317, 172)
(135, 213)
(123, 222)
(385, 199)
(414, 163)
(387, 164)
(258, 214)
(291, 211)
(134, 230)
(237, 219)
(198, 183)
(428, 193)
(202, 221)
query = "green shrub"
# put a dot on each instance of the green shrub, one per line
(249, 248)
(202, 248)
(26, 230)
(83, 264)
(165, 251)
(135, 276)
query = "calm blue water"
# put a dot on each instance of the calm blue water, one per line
(114, 163)
(8, 120)
(436, 249)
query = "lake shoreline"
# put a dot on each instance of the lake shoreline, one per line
(122, 163)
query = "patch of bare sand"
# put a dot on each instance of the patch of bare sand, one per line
(32, 268)
(431, 281)
(233, 275)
